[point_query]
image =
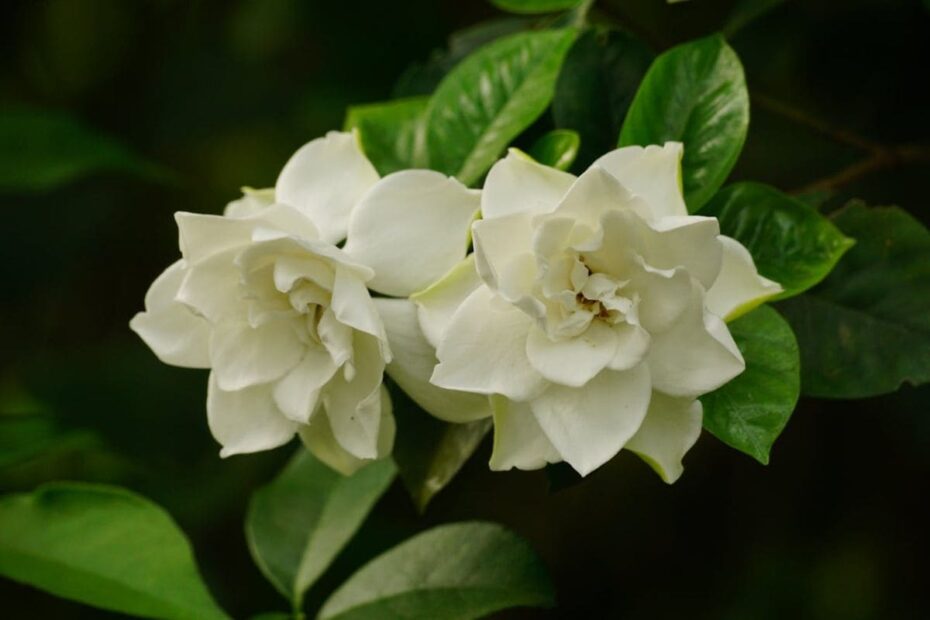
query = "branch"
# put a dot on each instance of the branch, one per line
(883, 158)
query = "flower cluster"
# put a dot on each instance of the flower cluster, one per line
(589, 318)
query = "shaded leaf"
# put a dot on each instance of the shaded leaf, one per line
(490, 98)
(694, 93)
(391, 133)
(536, 6)
(865, 330)
(298, 523)
(102, 546)
(557, 148)
(451, 572)
(790, 242)
(750, 412)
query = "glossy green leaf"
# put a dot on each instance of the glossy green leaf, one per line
(536, 6)
(790, 242)
(490, 98)
(694, 93)
(865, 330)
(452, 572)
(557, 148)
(430, 452)
(750, 412)
(105, 547)
(299, 522)
(42, 149)
(391, 133)
(599, 78)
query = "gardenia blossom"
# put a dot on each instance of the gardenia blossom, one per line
(280, 315)
(592, 312)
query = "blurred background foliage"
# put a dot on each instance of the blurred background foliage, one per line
(184, 102)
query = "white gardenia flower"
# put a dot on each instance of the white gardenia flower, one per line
(280, 315)
(594, 314)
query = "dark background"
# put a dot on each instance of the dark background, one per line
(221, 93)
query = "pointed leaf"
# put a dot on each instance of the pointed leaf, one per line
(451, 572)
(391, 133)
(102, 546)
(299, 522)
(557, 148)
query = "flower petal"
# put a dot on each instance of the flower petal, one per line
(353, 402)
(242, 355)
(689, 241)
(174, 333)
(589, 425)
(247, 420)
(353, 306)
(738, 288)
(411, 228)
(632, 346)
(696, 354)
(298, 392)
(653, 173)
(671, 427)
(211, 287)
(319, 439)
(519, 442)
(498, 243)
(572, 361)
(325, 179)
(413, 363)
(593, 194)
(484, 350)
(517, 184)
(437, 304)
(251, 202)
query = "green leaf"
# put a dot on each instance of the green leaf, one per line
(490, 98)
(428, 451)
(41, 150)
(298, 523)
(694, 93)
(599, 78)
(536, 6)
(749, 412)
(25, 437)
(451, 572)
(391, 133)
(866, 329)
(557, 148)
(789, 241)
(105, 547)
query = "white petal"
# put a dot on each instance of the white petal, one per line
(517, 184)
(632, 346)
(696, 355)
(519, 442)
(242, 355)
(319, 439)
(298, 392)
(738, 288)
(689, 241)
(413, 363)
(498, 242)
(437, 304)
(411, 228)
(211, 287)
(246, 421)
(589, 425)
(174, 333)
(353, 403)
(336, 337)
(353, 306)
(288, 270)
(325, 179)
(484, 350)
(653, 173)
(663, 295)
(594, 193)
(671, 427)
(251, 202)
(572, 361)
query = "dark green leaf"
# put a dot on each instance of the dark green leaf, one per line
(789, 241)
(596, 86)
(452, 572)
(391, 133)
(300, 521)
(749, 412)
(24, 437)
(490, 98)
(536, 6)
(428, 451)
(866, 329)
(41, 150)
(102, 546)
(694, 93)
(557, 148)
